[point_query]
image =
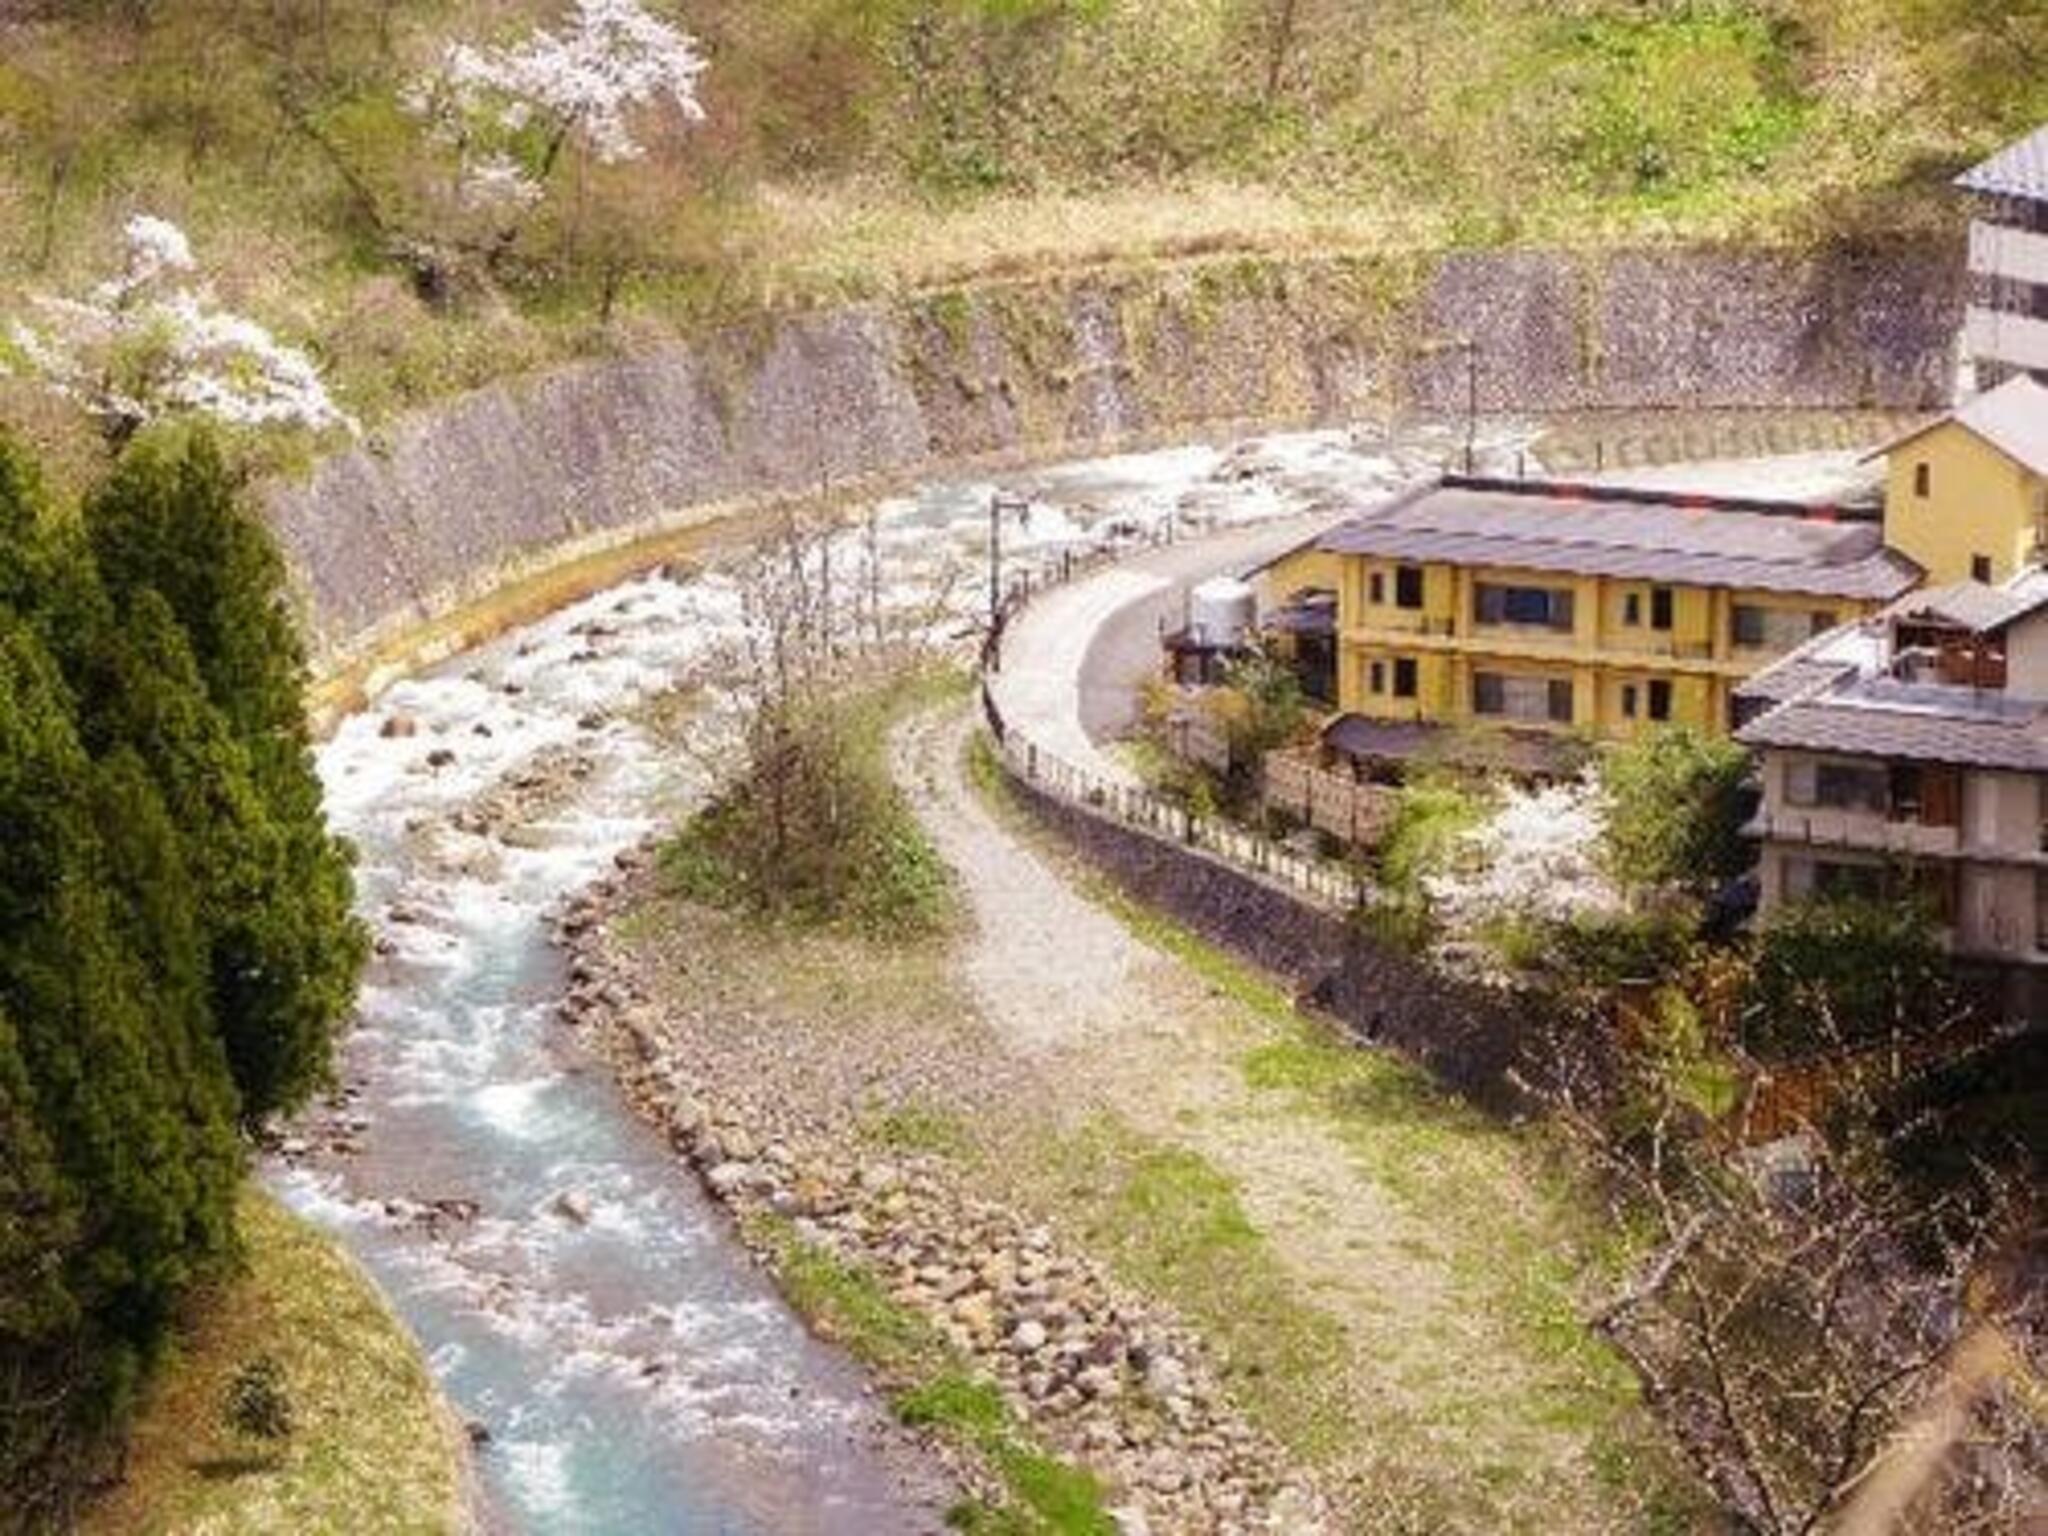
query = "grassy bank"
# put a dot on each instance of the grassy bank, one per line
(1361, 1247)
(372, 1447)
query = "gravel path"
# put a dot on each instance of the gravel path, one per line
(1445, 1399)
(1051, 969)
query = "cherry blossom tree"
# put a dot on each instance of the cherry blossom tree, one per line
(510, 112)
(151, 342)
(1536, 858)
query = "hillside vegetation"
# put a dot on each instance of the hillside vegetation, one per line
(853, 146)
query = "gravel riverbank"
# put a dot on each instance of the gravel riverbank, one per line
(774, 1127)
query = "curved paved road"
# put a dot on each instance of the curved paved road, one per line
(1075, 656)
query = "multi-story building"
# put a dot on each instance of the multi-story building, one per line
(2005, 327)
(1966, 496)
(1560, 607)
(1910, 751)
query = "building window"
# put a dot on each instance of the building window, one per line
(1507, 697)
(1837, 786)
(1407, 586)
(1660, 607)
(1632, 609)
(1376, 673)
(1754, 627)
(1543, 607)
(1660, 699)
(1923, 479)
(1376, 588)
(1628, 701)
(1834, 878)
(1980, 568)
(1404, 677)
(1930, 795)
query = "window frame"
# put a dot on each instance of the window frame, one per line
(1408, 583)
(1407, 678)
(1663, 609)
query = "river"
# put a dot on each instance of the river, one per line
(574, 1291)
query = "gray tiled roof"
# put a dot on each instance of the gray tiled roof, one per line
(1643, 536)
(1862, 729)
(2013, 418)
(2018, 170)
(1792, 678)
(1402, 741)
(1971, 605)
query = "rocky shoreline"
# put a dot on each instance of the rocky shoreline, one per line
(1097, 1375)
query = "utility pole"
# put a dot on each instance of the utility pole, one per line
(1000, 502)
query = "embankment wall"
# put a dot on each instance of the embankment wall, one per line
(454, 502)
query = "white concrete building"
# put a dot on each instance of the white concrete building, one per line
(1909, 753)
(2005, 328)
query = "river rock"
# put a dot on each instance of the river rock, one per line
(440, 757)
(1028, 1338)
(728, 1178)
(398, 726)
(573, 1205)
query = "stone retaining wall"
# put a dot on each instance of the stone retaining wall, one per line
(447, 505)
(1466, 1037)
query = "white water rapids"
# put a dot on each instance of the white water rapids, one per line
(576, 1294)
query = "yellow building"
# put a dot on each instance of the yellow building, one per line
(1560, 608)
(1966, 496)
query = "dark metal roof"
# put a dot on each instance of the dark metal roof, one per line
(1638, 535)
(1419, 741)
(1864, 728)
(2018, 170)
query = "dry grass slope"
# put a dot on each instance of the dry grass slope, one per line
(374, 1448)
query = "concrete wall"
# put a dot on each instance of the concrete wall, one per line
(446, 504)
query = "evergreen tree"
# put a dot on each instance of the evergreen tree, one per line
(175, 937)
(116, 1074)
(285, 946)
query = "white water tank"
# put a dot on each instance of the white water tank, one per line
(1222, 611)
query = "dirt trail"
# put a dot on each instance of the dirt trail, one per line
(1123, 1026)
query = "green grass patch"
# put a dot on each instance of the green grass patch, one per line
(932, 1388)
(1169, 1223)
(916, 1127)
(1520, 1240)
(371, 1447)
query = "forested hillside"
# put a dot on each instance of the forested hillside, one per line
(420, 194)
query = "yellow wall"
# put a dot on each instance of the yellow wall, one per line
(1979, 502)
(1297, 571)
(1601, 655)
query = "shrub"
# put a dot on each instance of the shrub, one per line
(259, 1403)
(1674, 810)
(1845, 970)
(813, 830)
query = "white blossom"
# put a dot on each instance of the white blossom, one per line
(141, 347)
(607, 60)
(498, 181)
(1535, 858)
